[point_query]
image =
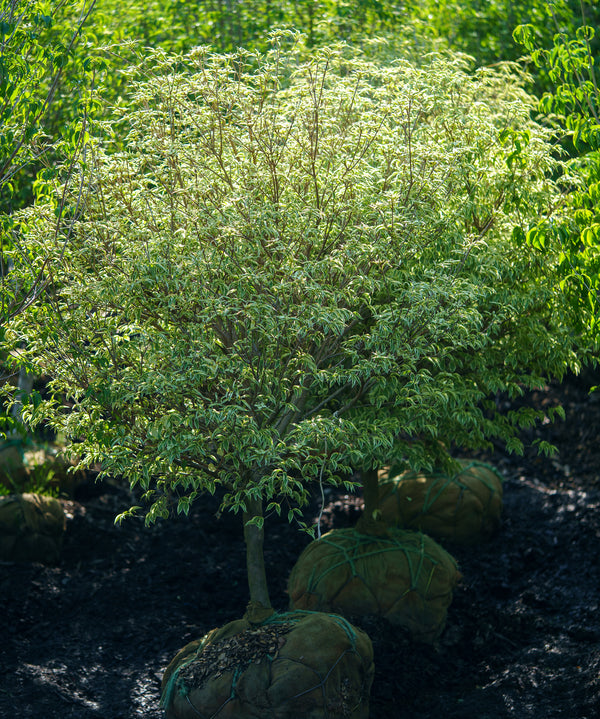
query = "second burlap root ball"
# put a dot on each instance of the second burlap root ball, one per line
(405, 577)
(31, 528)
(462, 507)
(297, 664)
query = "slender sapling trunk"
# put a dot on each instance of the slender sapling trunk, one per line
(260, 604)
(371, 522)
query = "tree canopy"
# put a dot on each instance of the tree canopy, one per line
(293, 266)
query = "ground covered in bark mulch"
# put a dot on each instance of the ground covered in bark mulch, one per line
(90, 637)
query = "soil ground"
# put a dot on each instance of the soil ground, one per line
(90, 637)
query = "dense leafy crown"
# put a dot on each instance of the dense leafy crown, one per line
(298, 267)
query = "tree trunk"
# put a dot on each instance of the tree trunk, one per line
(260, 604)
(371, 522)
(25, 387)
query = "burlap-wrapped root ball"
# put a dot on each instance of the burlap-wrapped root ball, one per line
(405, 577)
(30, 465)
(464, 507)
(296, 664)
(13, 472)
(31, 528)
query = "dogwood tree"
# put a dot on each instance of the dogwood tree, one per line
(297, 267)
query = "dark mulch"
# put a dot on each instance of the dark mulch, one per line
(91, 637)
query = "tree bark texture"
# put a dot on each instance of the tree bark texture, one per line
(255, 561)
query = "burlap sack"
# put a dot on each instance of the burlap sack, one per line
(25, 466)
(464, 507)
(405, 577)
(31, 528)
(297, 665)
(13, 473)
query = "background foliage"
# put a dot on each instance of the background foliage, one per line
(574, 105)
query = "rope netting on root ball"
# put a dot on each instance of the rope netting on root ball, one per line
(296, 664)
(464, 507)
(31, 528)
(404, 576)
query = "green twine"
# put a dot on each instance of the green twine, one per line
(297, 614)
(174, 680)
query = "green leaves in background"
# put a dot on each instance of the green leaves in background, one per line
(573, 105)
